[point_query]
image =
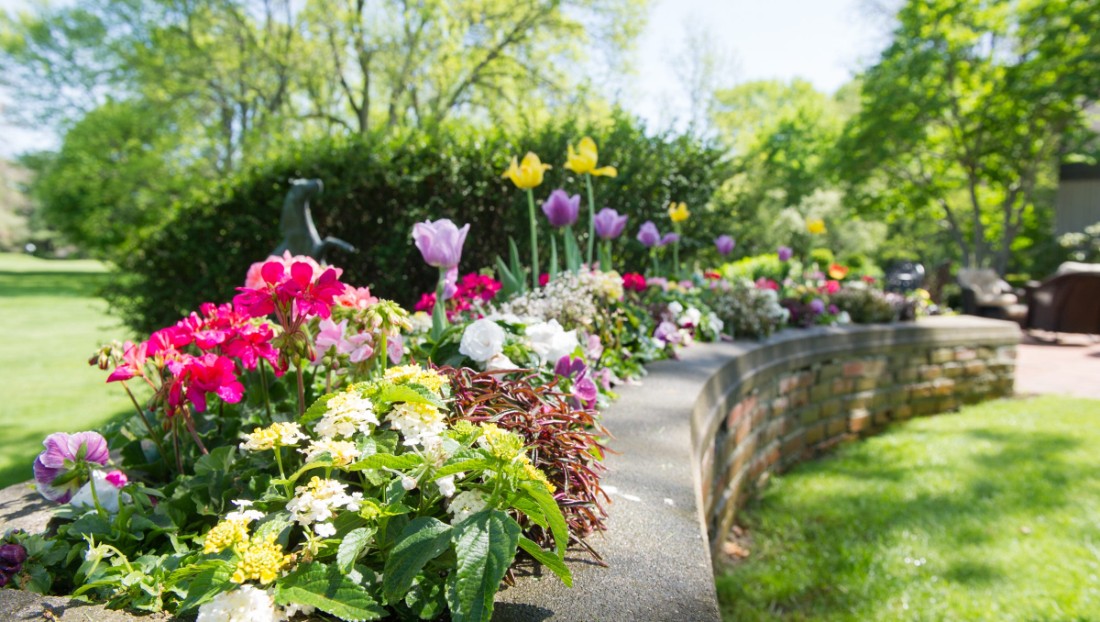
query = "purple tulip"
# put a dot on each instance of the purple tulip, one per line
(562, 209)
(817, 306)
(648, 235)
(785, 253)
(609, 224)
(64, 451)
(670, 238)
(724, 244)
(440, 242)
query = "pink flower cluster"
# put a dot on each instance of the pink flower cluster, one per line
(292, 288)
(471, 290)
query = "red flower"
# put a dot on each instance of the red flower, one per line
(711, 275)
(765, 283)
(199, 375)
(426, 303)
(544, 278)
(632, 281)
(838, 272)
(252, 343)
(475, 285)
(868, 279)
(831, 287)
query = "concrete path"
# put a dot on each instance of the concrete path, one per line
(1069, 365)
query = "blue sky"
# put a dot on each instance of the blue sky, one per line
(823, 41)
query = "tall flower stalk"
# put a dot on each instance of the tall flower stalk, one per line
(440, 244)
(527, 175)
(678, 213)
(582, 161)
(609, 225)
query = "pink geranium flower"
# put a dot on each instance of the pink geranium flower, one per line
(199, 375)
(133, 362)
(64, 453)
(251, 343)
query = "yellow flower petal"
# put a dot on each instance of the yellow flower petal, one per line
(528, 173)
(815, 226)
(678, 212)
(606, 171)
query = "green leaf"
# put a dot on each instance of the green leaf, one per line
(386, 461)
(485, 544)
(352, 546)
(317, 409)
(217, 462)
(211, 579)
(327, 589)
(555, 563)
(422, 540)
(551, 511)
(553, 270)
(531, 509)
(476, 464)
(411, 393)
(426, 600)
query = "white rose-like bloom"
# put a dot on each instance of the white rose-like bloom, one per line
(466, 504)
(244, 604)
(550, 341)
(482, 340)
(691, 317)
(500, 363)
(107, 493)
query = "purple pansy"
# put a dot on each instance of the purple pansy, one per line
(63, 452)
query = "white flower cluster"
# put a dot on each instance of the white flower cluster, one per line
(571, 299)
(419, 424)
(466, 504)
(317, 501)
(242, 513)
(749, 311)
(248, 603)
(343, 452)
(348, 412)
(244, 604)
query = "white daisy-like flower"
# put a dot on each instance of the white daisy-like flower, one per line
(419, 424)
(242, 513)
(324, 530)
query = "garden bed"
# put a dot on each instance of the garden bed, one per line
(699, 433)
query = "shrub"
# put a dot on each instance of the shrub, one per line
(867, 306)
(757, 267)
(376, 189)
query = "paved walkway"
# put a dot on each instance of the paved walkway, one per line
(1068, 366)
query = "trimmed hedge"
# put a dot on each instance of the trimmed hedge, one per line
(376, 189)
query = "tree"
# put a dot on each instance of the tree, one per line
(967, 113)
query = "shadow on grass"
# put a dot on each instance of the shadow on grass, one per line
(825, 556)
(64, 284)
(19, 448)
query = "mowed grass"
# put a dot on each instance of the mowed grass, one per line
(989, 514)
(50, 324)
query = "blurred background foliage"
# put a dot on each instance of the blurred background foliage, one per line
(182, 121)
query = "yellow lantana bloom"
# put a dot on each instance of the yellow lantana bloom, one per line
(583, 160)
(527, 174)
(815, 226)
(260, 559)
(678, 212)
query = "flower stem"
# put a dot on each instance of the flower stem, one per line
(534, 239)
(95, 495)
(148, 426)
(282, 473)
(301, 388)
(676, 252)
(439, 314)
(591, 218)
(263, 384)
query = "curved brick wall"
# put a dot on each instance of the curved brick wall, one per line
(795, 396)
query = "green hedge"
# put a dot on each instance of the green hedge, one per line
(375, 190)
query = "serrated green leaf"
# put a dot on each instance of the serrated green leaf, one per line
(327, 589)
(531, 509)
(476, 464)
(555, 563)
(422, 540)
(386, 461)
(426, 600)
(352, 546)
(485, 545)
(551, 511)
(411, 393)
(208, 582)
(317, 409)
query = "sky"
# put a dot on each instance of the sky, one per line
(823, 41)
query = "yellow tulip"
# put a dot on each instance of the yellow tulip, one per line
(678, 212)
(527, 174)
(815, 226)
(583, 160)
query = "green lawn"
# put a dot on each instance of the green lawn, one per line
(51, 324)
(989, 514)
